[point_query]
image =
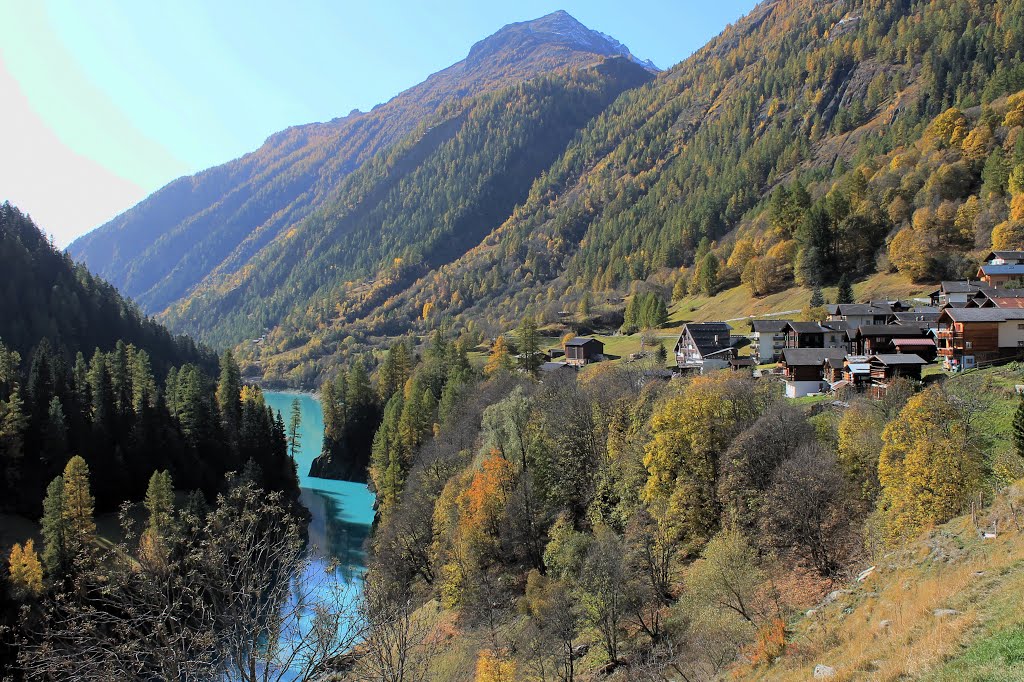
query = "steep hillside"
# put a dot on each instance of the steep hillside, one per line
(44, 294)
(407, 212)
(839, 104)
(159, 250)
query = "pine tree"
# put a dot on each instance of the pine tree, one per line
(56, 555)
(817, 299)
(845, 293)
(294, 423)
(708, 276)
(528, 340)
(1018, 427)
(160, 504)
(78, 506)
(229, 391)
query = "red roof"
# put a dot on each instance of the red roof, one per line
(913, 342)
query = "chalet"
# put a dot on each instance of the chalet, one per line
(704, 345)
(1005, 258)
(920, 315)
(858, 314)
(768, 338)
(583, 351)
(814, 335)
(923, 347)
(970, 336)
(998, 275)
(744, 365)
(556, 369)
(886, 367)
(852, 371)
(997, 298)
(955, 293)
(803, 369)
(878, 338)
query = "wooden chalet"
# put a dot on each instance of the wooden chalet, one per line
(878, 338)
(888, 366)
(954, 292)
(970, 336)
(997, 276)
(583, 351)
(704, 346)
(803, 369)
(857, 314)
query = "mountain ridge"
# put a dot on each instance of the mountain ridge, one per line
(160, 249)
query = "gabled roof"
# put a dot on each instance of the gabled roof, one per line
(910, 318)
(581, 341)
(897, 359)
(805, 327)
(1005, 255)
(554, 366)
(768, 326)
(891, 330)
(810, 356)
(710, 338)
(960, 287)
(871, 308)
(981, 314)
(917, 343)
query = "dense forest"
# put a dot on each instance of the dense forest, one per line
(98, 405)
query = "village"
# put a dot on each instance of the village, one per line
(860, 347)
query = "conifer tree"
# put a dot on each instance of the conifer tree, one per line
(499, 360)
(78, 506)
(528, 340)
(845, 293)
(56, 555)
(229, 390)
(294, 423)
(26, 573)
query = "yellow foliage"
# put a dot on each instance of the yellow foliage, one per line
(949, 127)
(928, 468)
(499, 359)
(492, 667)
(1017, 208)
(1015, 114)
(1009, 234)
(26, 571)
(741, 254)
(910, 252)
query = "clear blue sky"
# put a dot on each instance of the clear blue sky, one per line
(106, 101)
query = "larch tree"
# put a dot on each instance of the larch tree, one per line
(294, 424)
(78, 506)
(25, 570)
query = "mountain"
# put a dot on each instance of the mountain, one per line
(44, 294)
(215, 221)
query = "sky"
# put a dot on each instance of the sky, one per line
(106, 101)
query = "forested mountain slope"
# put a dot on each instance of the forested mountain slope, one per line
(218, 219)
(793, 147)
(44, 294)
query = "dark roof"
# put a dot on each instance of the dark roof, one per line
(959, 287)
(905, 330)
(768, 326)
(741, 362)
(582, 341)
(554, 366)
(805, 327)
(709, 337)
(983, 314)
(898, 359)
(904, 318)
(872, 308)
(838, 325)
(1005, 255)
(811, 356)
(1001, 269)
(999, 292)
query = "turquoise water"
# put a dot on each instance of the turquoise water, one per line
(342, 511)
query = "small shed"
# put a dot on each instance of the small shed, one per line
(583, 351)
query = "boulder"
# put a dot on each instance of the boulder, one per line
(824, 672)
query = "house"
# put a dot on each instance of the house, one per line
(997, 298)
(924, 348)
(814, 335)
(921, 314)
(745, 365)
(998, 275)
(969, 336)
(887, 366)
(767, 339)
(877, 338)
(704, 345)
(803, 369)
(1005, 258)
(858, 314)
(954, 293)
(583, 351)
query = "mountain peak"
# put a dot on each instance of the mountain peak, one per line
(558, 29)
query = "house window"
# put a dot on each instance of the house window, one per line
(968, 344)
